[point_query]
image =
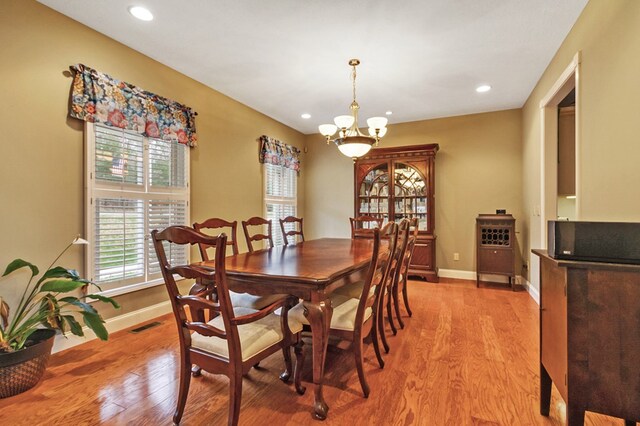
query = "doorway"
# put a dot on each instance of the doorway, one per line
(566, 201)
(560, 154)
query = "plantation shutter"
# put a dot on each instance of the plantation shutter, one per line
(280, 196)
(135, 185)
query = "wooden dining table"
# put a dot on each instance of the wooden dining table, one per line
(311, 271)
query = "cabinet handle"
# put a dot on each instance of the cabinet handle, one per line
(495, 252)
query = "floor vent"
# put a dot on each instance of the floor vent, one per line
(145, 327)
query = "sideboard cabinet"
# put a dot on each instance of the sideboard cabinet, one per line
(590, 337)
(397, 183)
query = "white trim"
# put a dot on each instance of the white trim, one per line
(564, 77)
(471, 275)
(533, 292)
(549, 100)
(113, 324)
(457, 273)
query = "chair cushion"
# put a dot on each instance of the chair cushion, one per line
(255, 337)
(246, 300)
(344, 312)
(353, 290)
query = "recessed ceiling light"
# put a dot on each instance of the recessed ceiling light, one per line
(141, 13)
(483, 88)
(389, 112)
(306, 116)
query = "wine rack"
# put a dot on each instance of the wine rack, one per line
(496, 246)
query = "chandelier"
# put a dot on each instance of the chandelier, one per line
(350, 140)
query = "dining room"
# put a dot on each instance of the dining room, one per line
(235, 260)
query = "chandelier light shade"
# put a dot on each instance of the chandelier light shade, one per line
(350, 140)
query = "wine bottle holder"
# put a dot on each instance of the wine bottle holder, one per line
(495, 236)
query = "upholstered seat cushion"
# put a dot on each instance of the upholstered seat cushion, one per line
(344, 313)
(246, 300)
(353, 290)
(254, 337)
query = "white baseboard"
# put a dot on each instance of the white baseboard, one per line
(533, 292)
(471, 275)
(113, 324)
(456, 273)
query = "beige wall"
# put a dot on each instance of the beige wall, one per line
(41, 177)
(608, 35)
(478, 170)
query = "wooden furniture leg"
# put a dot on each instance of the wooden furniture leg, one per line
(405, 296)
(396, 305)
(545, 391)
(575, 415)
(319, 317)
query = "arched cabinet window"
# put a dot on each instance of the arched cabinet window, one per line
(394, 183)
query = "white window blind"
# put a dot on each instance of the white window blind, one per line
(280, 196)
(134, 185)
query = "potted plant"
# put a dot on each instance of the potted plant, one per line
(26, 337)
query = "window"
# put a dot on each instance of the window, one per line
(134, 185)
(280, 189)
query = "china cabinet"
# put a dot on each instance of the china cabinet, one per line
(396, 183)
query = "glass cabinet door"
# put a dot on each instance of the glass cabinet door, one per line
(373, 196)
(410, 194)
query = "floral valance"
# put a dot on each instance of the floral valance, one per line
(272, 151)
(97, 97)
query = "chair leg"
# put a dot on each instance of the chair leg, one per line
(286, 374)
(396, 305)
(183, 390)
(357, 351)
(374, 338)
(380, 324)
(235, 396)
(394, 330)
(196, 371)
(297, 374)
(405, 296)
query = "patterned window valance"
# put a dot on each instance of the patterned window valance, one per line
(273, 151)
(97, 97)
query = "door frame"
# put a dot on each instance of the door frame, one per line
(567, 81)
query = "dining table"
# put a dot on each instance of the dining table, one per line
(310, 270)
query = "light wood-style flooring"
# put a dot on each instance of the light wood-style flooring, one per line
(467, 357)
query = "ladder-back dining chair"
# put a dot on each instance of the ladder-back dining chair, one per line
(405, 237)
(257, 221)
(362, 226)
(221, 224)
(235, 339)
(245, 300)
(355, 318)
(296, 224)
(404, 269)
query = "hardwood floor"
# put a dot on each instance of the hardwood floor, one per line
(467, 357)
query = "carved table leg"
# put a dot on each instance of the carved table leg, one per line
(545, 391)
(319, 317)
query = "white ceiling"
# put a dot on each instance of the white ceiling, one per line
(420, 58)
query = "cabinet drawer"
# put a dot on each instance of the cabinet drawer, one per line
(495, 261)
(422, 255)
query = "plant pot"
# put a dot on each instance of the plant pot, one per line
(23, 369)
